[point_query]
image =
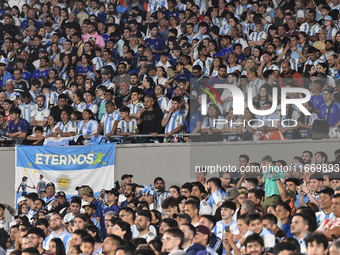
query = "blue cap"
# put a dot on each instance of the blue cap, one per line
(328, 18)
(91, 75)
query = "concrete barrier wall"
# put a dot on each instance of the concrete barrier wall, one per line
(176, 162)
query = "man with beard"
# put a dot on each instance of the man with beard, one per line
(142, 222)
(329, 47)
(124, 95)
(254, 244)
(221, 77)
(288, 72)
(334, 66)
(134, 82)
(161, 193)
(38, 205)
(203, 60)
(129, 193)
(36, 237)
(110, 244)
(43, 71)
(215, 198)
(56, 224)
(307, 157)
(90, 210)
(40, 114)
(122, 75)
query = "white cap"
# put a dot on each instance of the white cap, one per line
(20, 199)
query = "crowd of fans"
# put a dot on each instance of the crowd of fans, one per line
(75, 69)
(261, 209)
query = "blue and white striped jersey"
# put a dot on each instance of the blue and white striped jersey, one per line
(234, 68)
(241, 41)
(99, 101)
(269, 121)
(109, 85)
(127, 127)
(135, 108)
(242, 8)
(182, 7)
(155, 4)
(93, 107)
(79, 107)
(98, 63)
(174, 121)
(321, 217)
(108, 120)
(256, 36)
(310, 30)
(111, 64)
(68, 127)
(214, 199)
(40, 115)
(200, 37)
(55, 94)
(163, 103)
(255, 85)
(219, 228)
(90, 128)
(208, 122)
(310, 62)
(205, 65)
(26, 111)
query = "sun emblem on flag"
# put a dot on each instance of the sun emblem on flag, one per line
(63, 182)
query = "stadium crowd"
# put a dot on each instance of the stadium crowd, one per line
(261, 210)
(78, 70)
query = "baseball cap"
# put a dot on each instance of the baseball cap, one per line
(50, 184)
(91, 75)
(21, 199)
(232, 193)
(105, 71)
(291, 194)
(179, 85)
(143, 58)
(126, 176)
(328, 18)
(87, 191)
(42, 50)
(91, 205)
(113, 191)
(158, 179)
(204, 230)
(33, 28)
(3, 61)
(132, 14)
(60, 194)
(82, 186)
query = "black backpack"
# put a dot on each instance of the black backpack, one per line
(320, 128)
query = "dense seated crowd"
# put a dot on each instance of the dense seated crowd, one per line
(261, 209)
(79, 70)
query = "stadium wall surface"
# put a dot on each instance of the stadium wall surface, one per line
(176, 162)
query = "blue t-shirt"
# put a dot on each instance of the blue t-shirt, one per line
(317, 101)
(84, 70)
(22, 126)
(191, 122)
(156, 44)
(38, 74)
(225, 51)
(170, 14)
(186, 75)
(334, 115)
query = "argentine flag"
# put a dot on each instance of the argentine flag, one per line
(66, 167)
